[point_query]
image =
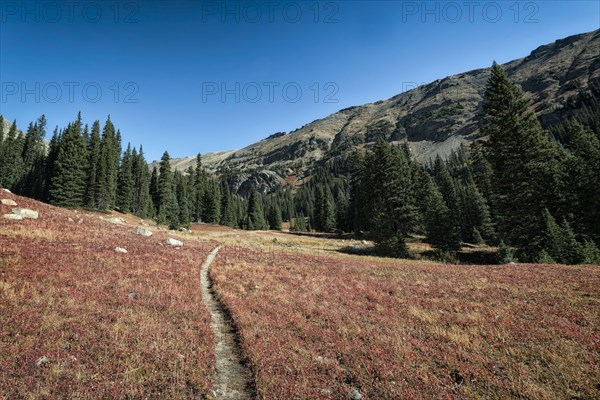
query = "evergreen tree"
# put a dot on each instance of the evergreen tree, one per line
(274, 217)
(442, 231)
(475, 214)
(299, 223)
(141, 185)
(153, 191)
(68, 184)
(584, 181)
(11, 162)
(211, 202)
(31, 182)
(167, 209)
(255, 216)
(525, 163)
(560, 242)
(93, 163)
(106, 185)
(125, 182)
(227, 206)
(50, 164)
(183, 200)
(199, 189)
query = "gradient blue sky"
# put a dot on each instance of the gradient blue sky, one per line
(170, 50)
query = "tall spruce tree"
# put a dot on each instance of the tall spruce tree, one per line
(584, 181)
(93, 163)
(125, 182)
(11, 162)
(31, 182)
(228, 215)
(167, 210)
(141, 184)
(106, 185)
(526, 165)
(68, 184)
(441, 228)
(255, 216)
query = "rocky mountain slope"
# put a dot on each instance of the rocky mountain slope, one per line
(434, 118)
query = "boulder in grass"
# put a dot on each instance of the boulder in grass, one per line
(13, 217)
(354, 395)
(41, 361)
(116, 220)
(120, 250)
(140, 230)
(174, 242)
(7, 191)
(25, 213)
(8, 202)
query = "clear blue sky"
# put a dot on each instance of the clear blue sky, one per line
(173, 58)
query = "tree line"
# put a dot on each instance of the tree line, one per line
(532, 192)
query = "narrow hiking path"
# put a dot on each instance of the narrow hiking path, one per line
(233, 380)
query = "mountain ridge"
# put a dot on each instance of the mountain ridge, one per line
(434, 118)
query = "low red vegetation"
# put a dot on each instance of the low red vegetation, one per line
(316, 327)
(110, 325)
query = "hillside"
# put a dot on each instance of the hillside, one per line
(434, 118)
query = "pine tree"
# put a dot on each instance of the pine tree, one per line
(199, 189)
(299, 223)
(31, 181)
(141, 185)
(475, 214)
(255, 216)
(125, 182)
(441, 229)
(274, 217)
(211, 202)
(154, 193)
(11, 162)
(93, 163)
(68, 184)
(168, 212)
(525, 163)
(106, 185)
(2, 133)
(447, 188)
(183, 201)
(584, 181)
(50, 164)
(227, 206)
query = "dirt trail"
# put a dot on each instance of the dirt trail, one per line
(234, 380)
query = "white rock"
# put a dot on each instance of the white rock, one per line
(8, 202)
(7, 191)
(13, 217)
(354, 395)
(120, 250)
(25, 213)
(41, 361)
(71, 219)
(80, 221)
(116, 220)
(174, 242)
(140, 230)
